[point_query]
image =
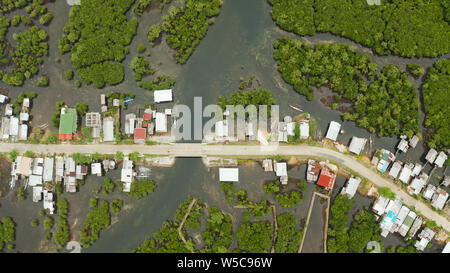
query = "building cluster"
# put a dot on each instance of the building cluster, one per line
(231, 130)
(41, 173)
(413, 176)
(323, 175)
(398, 218)
(13, 127)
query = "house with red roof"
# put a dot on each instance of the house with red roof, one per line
(139, 135)
(326, 178)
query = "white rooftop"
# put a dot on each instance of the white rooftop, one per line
(108, 129)
(229, 174)
(333, 130)
(161, 122)
(162, 95)
(442, 157)
(281, 169)
(357, 145)
(304, 129)
(351, 187)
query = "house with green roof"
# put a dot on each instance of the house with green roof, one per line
(67, 123)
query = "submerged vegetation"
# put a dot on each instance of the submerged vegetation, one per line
(406, 28)
(97, 220)
(338, 236)
(388, 106)
(437, 105)
(96, 36)
(7, 231)
(188, 24)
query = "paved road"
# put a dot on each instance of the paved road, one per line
(198, 150)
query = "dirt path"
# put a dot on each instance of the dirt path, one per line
(184, 220)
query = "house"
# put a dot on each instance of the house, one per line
(406, 225)
(93, 120)
(59, 169)
(446, 181)
(127, 174)
(26, 103)
(229, 174)
(70, 175)
(140, 134)
(37, 194)
(108, 129)
(290, 126)
(440, 160)
(351, 187)
(48, 169)
(405, 175)
(380, 205)
(446, 248)
(96, 169)
(147, 115)
(5, 128)
(24, 116)
(116, 103)
(267, 165)
(67, 123)
(304, 129)
(403, 145)
(333, 130)
(3, 98)
(417, 169)
(425, 237)
(48, 202)
(439, 199)
(404, 211)
(38, 166)
(23, 132)
(326, 178)
(392, 210)
(431, 156)
(104, 109)
(415, 227)
(14, 126)
(413, 141)
(417, 184)
(312, 173)
(81, 172)
(357, 145)
(9, 109)
(25, 166)
(385, 158)
(395, 169)
(281, 171)
(221, 129)
(130, 120)
(161, 122)
(168, 111)
(34, 180)
(250, 130)
(429, 192)
(162, 95)
(102, 99)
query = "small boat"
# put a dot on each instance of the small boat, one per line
(295, 108)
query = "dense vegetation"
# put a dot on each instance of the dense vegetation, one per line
(62, 233)
(97, 35)
(7, 231)
(97, 220)
(254, 97)
(285, 199)
(403, 27)
(289, 236)
(388, 106)
(142, 188)
(219, 232)
(188, 24)
(335, 65)
(255, 236)
(364, 229)
(338, 237)
(258, 210)
(437, 105)
(415, 69)
(31, 47)
(167, 239)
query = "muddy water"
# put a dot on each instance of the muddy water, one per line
(243, 34)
